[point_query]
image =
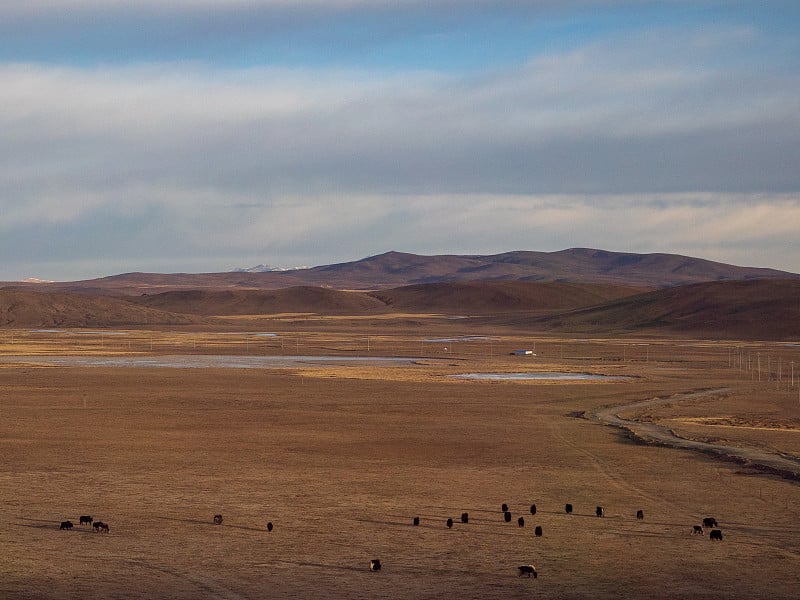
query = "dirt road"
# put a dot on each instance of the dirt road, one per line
(652, 433)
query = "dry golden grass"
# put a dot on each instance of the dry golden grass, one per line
(341, 458)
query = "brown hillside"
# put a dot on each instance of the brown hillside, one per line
(447, 298)
(396, 269)
(573, 265)
(37, 309)
(499, 296)
(301, 299)
(766, 309)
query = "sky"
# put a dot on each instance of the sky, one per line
(209, 135)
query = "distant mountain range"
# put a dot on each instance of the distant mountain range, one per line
(266, 269)
(580, 291)
(761, 309)
(393, 269)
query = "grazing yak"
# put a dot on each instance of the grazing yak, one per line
(66, 525)
(449, 523)
(696, 529)
(507, 516)
(640, 514)
(416, 521)
(504, 508)
(269, 526)
(85, 520)
(375, 564)
(715, 534)
(527, 570)
(217, 519)
(521, 522)
(533, 509)
(599, 511)
(100, 526)
(465, 517)
(538, 531)
(710, 522)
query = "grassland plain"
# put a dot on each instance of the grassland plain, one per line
(340, 458)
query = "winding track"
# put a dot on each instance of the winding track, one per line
(610, 474)
(206, 585)
(652, 433)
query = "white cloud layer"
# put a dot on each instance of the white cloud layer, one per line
(28, 7)
(199, 230)
(581, 121)
(181, 166)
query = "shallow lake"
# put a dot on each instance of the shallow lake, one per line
(543, 375)
(195, 361)
(463, 338)
(73, 332)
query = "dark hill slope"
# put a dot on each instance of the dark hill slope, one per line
(498, 296)
(301, 299)
(573, 265)
(766, 309)
(447, 298)
(395, 269)
(37, 309)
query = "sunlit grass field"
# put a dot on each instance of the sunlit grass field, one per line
(341, 457)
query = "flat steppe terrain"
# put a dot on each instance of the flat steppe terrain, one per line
(341, 456)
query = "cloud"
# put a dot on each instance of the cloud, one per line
(645, 137)
(13, 7)
(193, 230)
(582, 121)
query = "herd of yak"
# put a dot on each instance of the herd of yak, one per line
(530, 570)
(99, 526)
(375, 563)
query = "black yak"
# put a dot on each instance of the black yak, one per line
(527, 570)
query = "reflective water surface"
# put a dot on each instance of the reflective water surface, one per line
(542, 375)
(194, 361)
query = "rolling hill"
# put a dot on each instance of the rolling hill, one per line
(766, 309)
(577, 265)
(395, 269)
(444, 298)
(301, 299)
(37, 309)
(572, 291)
(484, 297)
